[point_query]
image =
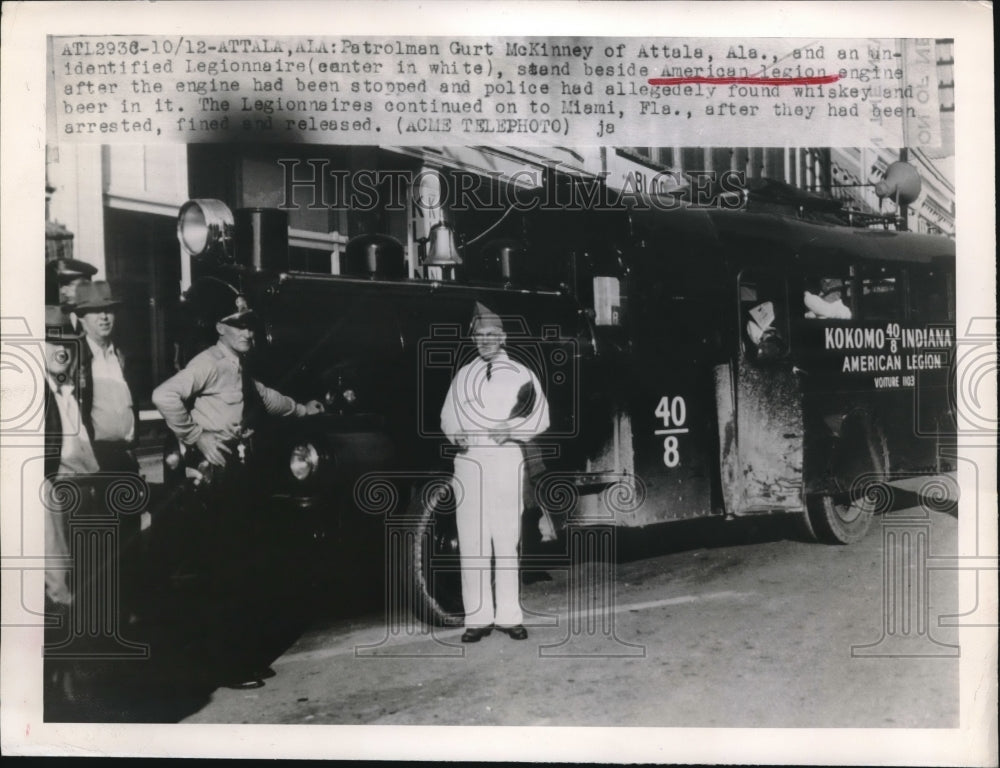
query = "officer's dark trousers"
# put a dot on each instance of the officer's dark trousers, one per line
(212, 544)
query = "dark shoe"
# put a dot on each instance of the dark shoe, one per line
(515, 633)
(475, 634)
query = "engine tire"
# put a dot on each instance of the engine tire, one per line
(435, 591)
(803, 528)
(837, 519)
(859, 464)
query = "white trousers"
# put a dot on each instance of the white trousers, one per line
(488, 516)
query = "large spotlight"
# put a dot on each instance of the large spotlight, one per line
(205, 228)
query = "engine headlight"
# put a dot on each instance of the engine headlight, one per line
(349, 396)
(304, 461)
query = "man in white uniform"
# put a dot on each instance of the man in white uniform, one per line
(828, 303)
(494, 404)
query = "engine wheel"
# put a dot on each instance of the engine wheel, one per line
(802, 527)
(837, 519)
(436, 586)
(859, 463)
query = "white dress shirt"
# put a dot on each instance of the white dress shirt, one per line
(111, 412)
(77, 455)
(477, 403)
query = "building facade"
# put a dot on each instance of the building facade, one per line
(120, 202)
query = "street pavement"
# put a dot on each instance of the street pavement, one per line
(710, 623)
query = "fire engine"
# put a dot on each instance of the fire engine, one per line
(781, 355)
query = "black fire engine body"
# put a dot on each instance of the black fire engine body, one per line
(635, 323)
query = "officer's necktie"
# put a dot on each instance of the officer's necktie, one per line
(489, 371)
(252, 404)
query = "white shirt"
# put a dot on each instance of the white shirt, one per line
(476, 403)
(111, 412)
(820, 307)
(76, 456)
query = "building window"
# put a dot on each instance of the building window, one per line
(763, 315)
(315, 251)
(929, 298)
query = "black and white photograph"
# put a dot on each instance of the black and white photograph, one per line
(603, 382)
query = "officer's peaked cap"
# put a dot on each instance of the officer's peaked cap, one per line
(238, 314)
(216, 301)
(70, 269)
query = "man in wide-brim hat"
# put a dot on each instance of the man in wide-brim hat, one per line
(110, 415)
(108, 408)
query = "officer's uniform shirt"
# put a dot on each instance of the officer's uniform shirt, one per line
(487, 480)
(214, 381)
(111, 411)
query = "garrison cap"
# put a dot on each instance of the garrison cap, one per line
(484, 317)
(831, 285)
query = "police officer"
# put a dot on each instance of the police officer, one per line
(62, 276)
(494, 404)
(221, 393)
(212, 406)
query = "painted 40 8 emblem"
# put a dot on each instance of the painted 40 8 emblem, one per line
(673, 412)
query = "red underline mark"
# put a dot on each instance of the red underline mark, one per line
(819, 80)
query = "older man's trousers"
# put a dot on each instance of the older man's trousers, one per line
(488, 497)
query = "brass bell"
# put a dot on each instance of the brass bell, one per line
(441, 250)
(441, 257)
